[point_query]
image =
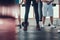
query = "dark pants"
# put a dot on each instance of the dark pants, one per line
(40, 10)
(27, 8)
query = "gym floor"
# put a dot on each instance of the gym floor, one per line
(46, 33)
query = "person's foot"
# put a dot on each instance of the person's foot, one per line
(42, 25)
(40, 20)
(38, 27)
(25, 28)
(25, 25)
(58, 30)
(52, 26)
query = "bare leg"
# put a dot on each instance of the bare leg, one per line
(43, 19)
(51, 19)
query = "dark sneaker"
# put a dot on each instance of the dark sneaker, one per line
(25, 25)
(38, 27)
(25, 28)
(51, 25)
(40, 20)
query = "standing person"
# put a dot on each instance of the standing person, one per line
(40, 9)
(18, 4)
(47, 7)
(27, 7)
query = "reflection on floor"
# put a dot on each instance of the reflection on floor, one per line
(46, 33)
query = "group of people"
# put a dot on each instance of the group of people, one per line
(45, 7)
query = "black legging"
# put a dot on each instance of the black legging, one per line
(41, 10)
(27, 7)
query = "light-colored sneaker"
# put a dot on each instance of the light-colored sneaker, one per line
(52, 26)
(58, 30)
(42, 25)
